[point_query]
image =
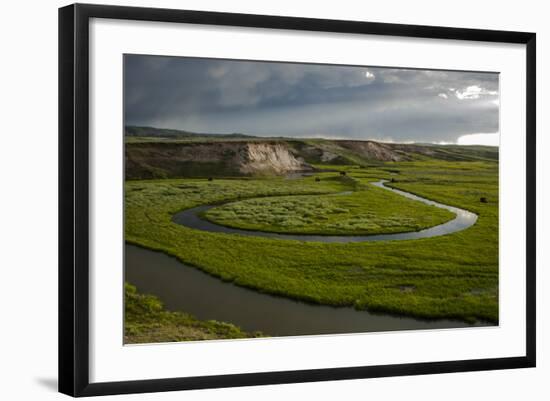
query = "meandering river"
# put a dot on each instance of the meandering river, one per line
(189, 289)
(463, 219)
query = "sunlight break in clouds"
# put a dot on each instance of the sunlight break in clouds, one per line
(479, 139)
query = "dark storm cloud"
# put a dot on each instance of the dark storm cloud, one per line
(305, 100)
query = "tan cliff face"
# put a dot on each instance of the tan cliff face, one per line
(162, 160)
(374, 150)
(339, 151)
(270, 158)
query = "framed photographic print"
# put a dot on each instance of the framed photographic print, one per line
(250, 199)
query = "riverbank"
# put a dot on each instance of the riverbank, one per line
(146, 321)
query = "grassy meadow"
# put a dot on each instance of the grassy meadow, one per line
(453, 276)
(368, 210)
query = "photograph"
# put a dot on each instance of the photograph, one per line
(269, 199)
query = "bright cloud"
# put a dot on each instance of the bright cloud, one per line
(480, 139)
(473, 92)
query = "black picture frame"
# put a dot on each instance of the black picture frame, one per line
(74, 198)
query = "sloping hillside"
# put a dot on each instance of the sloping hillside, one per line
(154, 153)
(220, 158)
(152, 132)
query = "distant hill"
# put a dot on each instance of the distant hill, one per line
(152, 132)
(163, 153)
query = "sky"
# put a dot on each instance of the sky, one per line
(311, 100)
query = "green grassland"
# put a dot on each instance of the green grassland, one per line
(146, 321)
(451, 276)
(369, 210)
